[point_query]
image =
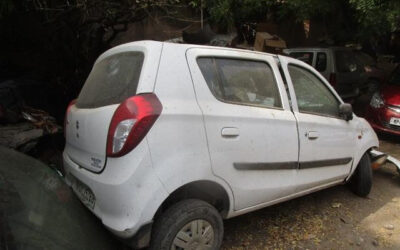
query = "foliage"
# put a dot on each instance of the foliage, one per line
(377, 16)
(62, 38)
(374, 17)
(229, 13)
(306, 9)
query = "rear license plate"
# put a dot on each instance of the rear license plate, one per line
(83, 192)
(394, 121)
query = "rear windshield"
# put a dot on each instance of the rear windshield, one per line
(112, 80)
(347, 62)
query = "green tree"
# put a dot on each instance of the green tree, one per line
(377, 17)
(228, 14)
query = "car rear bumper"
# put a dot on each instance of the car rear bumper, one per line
(127, 192)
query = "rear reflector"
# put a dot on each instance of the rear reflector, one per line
(130, 123)
(66, 116)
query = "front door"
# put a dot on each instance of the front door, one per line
(327, 141)
(251, 132)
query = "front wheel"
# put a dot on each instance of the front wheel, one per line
(361, 181)
(188, 224)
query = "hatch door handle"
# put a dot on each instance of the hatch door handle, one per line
(312, 135)
(230, 132)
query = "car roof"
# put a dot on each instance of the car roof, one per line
(181, 46)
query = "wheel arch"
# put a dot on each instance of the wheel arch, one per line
(358, 157)
(205, 190)
(367, 140)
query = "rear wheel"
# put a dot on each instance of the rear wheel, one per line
(361, 181)
(189, 224)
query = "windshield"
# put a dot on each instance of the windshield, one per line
(39, 211)
(395, 77)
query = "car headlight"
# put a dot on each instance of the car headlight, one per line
(377, 101)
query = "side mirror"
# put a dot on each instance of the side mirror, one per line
(346, 111)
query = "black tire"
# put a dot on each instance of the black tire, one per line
(170, 222)
(361, 181)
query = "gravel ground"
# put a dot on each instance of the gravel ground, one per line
(334, 218)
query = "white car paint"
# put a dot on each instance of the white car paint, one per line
(254, 139)
(199, 138)
(334, 138)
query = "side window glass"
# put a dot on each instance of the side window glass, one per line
(311, 93)
(321, 62)
(306, 57)
(210, 74)
(241, 81)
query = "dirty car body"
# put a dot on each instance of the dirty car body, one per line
(237, 129)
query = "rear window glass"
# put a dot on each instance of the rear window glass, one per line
(320, 65)
(112, 80)
(306, 57)
(347, 62)
(241, 81)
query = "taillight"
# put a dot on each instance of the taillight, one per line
(332, 79)
(130, 123)
(66, 116)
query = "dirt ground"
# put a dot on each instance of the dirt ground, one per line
(334, 218)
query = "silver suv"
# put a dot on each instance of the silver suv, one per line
(340, 66)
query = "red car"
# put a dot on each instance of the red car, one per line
(383, 112)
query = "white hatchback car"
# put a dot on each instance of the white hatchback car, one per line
(166, 140)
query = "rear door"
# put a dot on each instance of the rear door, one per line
(118, 74)
(251, 132)
(327, 142)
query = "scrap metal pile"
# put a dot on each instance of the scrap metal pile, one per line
(22, 126)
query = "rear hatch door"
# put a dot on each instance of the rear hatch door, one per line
(117, 75)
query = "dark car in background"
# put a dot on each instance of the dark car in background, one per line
(383, 112)
(39, 211)
(375, 73)
(341, 66)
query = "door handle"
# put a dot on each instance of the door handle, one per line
(312, 135)
(230, 132)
